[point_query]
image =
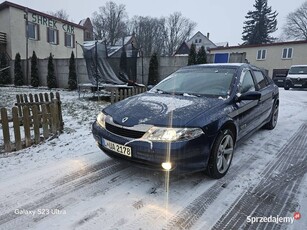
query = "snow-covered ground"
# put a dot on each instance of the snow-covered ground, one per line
(68, 183)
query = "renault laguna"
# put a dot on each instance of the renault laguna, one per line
(190, 121)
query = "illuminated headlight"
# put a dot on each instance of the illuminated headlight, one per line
(166, 166)
(101, 120)
(160, 134)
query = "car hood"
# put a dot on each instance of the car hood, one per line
(160, 109)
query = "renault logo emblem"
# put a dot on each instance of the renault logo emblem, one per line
(124, 119)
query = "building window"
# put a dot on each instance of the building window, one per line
(69, 40)
(199, 40)
(261, 54)
(287, 53)
(52, 36)
(195, 41)
(33, 31)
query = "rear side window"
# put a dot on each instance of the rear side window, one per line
(261, 80)
(246, 83)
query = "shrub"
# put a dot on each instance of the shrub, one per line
(192, 55)
(34, 71)
(51, 80)
(153, 74)
(5, 73)
(18, 74)
(201, 56)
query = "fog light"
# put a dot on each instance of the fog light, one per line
(167, 165)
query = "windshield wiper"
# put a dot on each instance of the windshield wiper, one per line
(190, 95)
(160, 91)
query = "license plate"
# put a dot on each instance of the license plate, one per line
(121, 149)
(298, 85)
(280, 81)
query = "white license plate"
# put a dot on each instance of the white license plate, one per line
(121, 149)
(280, 81)
(298, 85)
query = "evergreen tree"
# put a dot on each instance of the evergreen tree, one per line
(51, 81)
(201, 57)
(260, 24)
(123, 61)
(34, 71)
(5, 73)
(72, 78)
(192, 55)
(18, 75)
(153, 74)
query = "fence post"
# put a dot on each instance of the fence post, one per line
(61, 123)
(18, 104)
(116, 95)
(54, 117)
(35, 124)
(16, 125)
(5, 130)
(26, 124)
(112, 96)
(45, 122)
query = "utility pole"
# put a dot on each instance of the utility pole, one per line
(27, 44)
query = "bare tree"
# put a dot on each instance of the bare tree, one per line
(62, 14)
(149, 33)
(110, 22)
(178, 29)
(296, 25)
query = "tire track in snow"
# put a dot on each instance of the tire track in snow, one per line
(274, 195)
(72, 184)
(187, 217)
(37, 190)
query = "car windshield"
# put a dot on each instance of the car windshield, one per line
(298, 70)
(212, 82)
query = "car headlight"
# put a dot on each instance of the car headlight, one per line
(160, 134)
(101, 120)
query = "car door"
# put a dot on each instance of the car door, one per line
(246, 109)
(266, 101)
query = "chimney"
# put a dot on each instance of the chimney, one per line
(208, 34)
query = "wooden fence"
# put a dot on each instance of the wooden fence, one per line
(118, 94)
(33, 119)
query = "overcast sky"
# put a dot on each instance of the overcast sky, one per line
(223, 19)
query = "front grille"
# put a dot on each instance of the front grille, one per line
(124, 132)
(296, 81)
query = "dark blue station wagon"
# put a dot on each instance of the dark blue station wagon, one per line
(191, 120)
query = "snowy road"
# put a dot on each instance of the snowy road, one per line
(68, 183)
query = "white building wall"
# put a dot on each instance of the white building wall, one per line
(16, 35)
(273, 58)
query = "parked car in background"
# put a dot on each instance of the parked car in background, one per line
(191, 120)
(297, 77)
(279, 76)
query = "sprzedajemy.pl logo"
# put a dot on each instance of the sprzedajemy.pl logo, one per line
(273, 219)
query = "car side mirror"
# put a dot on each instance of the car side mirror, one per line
(252, 95)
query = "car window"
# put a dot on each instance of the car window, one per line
(246, 83)
(206, 81)
(298, 70)
(260, 79)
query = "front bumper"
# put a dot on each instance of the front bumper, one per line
(296, 83)
(187, 156)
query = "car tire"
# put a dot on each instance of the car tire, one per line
(221, 154)
(274, 116)
(286, 88)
